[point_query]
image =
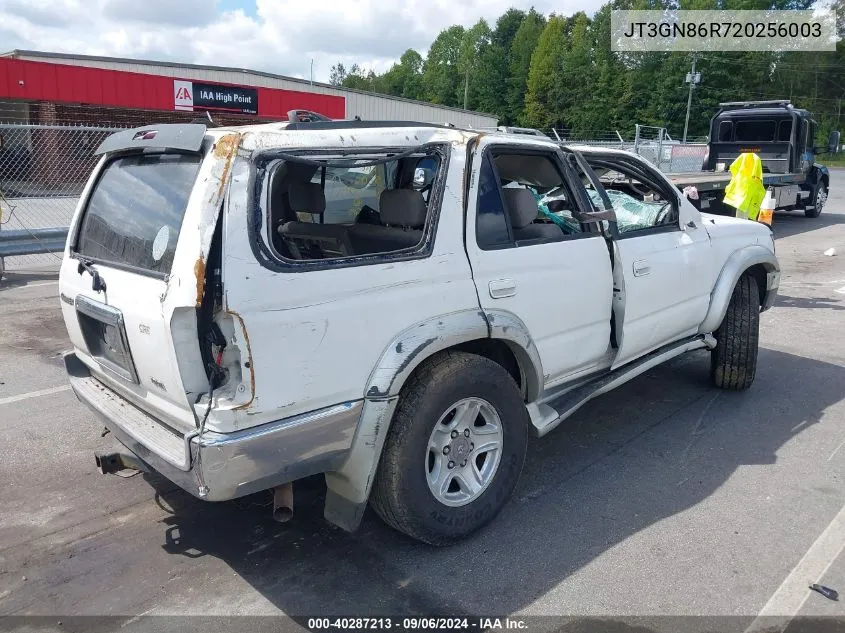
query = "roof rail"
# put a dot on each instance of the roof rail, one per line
(326, 124)
(778, 103)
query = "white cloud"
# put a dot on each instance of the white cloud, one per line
(282, 37)
(184, 13)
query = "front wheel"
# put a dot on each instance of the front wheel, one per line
(733, 362)
(454, 451)
(819, 197)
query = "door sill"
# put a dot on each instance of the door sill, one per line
(556, 405)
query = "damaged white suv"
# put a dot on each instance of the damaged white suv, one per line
(395, 305)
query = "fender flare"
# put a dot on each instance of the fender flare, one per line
(422, 340)
(818, 173)
(349, 486)
(738, 262)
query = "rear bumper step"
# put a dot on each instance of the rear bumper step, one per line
(232, 464)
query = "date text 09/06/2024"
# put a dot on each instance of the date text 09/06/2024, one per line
(416, 623)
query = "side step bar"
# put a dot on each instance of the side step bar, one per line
(554, 409)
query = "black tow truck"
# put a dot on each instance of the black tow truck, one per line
(783, 136)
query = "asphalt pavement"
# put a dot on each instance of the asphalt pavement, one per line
(666, 497)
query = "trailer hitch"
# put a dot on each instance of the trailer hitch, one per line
(109, 462)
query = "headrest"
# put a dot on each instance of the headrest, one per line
(306, 197)
(402, 207)
(522, 206)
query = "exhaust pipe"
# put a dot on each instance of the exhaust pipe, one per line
(283, 503)
(109, 462)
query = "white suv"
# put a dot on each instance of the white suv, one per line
(395, 305)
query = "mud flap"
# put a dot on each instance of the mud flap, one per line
(349, 486)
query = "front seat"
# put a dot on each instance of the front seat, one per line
(523, 211)
(307, 240)
(402, 213)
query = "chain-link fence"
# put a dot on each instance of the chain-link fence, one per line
(653, 143)
(43, 170)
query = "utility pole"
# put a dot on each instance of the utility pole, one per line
(692, 79)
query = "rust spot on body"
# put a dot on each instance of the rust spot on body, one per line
(226, 148)
(225, 145)
(199, 274)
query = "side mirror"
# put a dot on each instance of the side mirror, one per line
(833, 142)
(423, 177)
(556, 206)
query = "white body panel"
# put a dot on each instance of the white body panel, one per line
(315, 336)
(665, 291)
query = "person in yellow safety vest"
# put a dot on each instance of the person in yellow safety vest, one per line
(745, 192)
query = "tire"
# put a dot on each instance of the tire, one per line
(402, 494)
(819, 198)
(733, 362)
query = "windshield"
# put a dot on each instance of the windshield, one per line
(135, 212)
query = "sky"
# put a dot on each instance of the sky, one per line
(278, 36)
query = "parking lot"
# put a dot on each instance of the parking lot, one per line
(665, 497)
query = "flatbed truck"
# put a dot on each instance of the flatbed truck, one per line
(783, 136)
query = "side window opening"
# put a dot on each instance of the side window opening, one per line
(538, 204)
(726, 131)
(639, 204)
(347, 208)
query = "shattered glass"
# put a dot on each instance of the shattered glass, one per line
(631, 214)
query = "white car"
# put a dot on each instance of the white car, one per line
(236, 337)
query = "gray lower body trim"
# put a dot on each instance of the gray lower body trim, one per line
(554, 409)
(233, 464)
(772, 286)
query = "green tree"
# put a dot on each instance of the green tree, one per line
(440, 71)
(519, 62)
(577, 77)
(474, 42)
(337, 74)
(359, 79)
(543, 108)
(404, 79)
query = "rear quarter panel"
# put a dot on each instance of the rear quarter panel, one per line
(316, 336)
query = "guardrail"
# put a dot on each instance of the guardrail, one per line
(32, 242)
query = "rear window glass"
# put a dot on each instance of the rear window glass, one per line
(755, 131)
(726, 130)
(785, 131)
(135, 212)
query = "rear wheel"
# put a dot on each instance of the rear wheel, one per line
(733, 362)
(454, 450)
(819, 198)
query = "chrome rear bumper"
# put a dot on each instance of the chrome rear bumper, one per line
(232, 464)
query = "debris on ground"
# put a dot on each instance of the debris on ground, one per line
(827, 592)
